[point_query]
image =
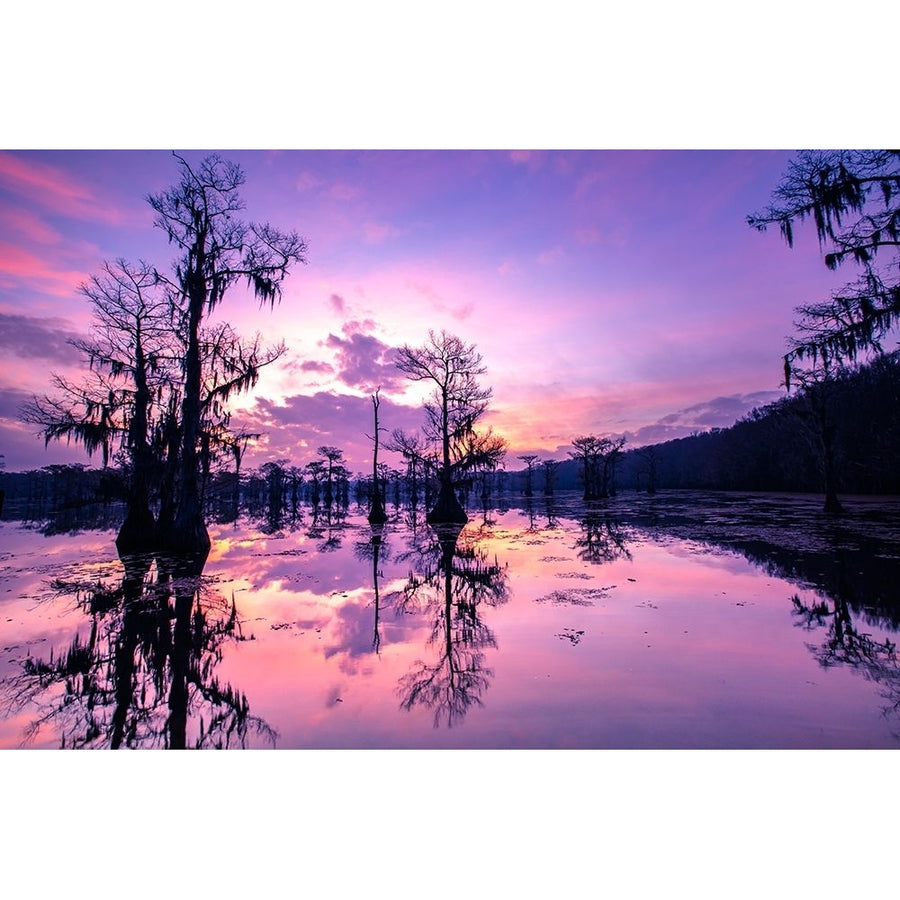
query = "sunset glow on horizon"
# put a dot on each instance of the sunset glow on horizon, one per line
(608, 292)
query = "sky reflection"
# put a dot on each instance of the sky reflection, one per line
(513, 634)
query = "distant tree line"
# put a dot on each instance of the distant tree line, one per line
(849, 424)
(839, 435)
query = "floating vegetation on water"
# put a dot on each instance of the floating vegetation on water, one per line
(574, 597)
(571, 635)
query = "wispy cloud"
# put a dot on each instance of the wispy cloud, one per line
(532, 159)
(55, 189)
(379, 232)
(28, 227)
(343, 190)
(459, 312)
(19, 268)
(553, 255)
(307, 181)
(720, 412)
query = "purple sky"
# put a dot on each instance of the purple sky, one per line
(609, 292)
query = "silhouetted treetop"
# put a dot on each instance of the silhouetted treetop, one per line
(853, 197)
(199, 216)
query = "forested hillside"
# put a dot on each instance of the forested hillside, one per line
(782, 447)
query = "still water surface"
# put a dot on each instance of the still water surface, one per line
(681, 621)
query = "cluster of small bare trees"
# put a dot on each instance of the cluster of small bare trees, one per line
(323, 481)
(599, 457)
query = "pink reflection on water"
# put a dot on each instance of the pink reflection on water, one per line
(525, 633)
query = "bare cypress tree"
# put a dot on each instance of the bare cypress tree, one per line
(118, 406)
(216, 249)
(529, 459)
(455, 405)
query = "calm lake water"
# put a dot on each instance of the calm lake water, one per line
(679, 621)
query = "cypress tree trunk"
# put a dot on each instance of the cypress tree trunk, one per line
(138, 531)
(377, 515)
(189, 534)
(447, 507)
(832, 504)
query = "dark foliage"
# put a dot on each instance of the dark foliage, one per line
(779, 448)
(852, 197)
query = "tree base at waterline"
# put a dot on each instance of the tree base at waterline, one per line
(138, 532)
(187, 537)
(377, 515)
(447, 508)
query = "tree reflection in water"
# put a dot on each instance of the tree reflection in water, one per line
(602, 538)
(145, 675)
(449, 582)
(327, 527)
(845, 645)
(375, 550)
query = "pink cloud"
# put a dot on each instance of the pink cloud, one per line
(343, 191)
(295, 428)
(364, 362)
(553, 255)
(555, 414)
(533, 159)
(379, 232)
(53, 188)
(459, 312)
(307, 181)
(20, 268)
(27, 226)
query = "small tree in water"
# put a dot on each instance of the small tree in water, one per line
(454, 406)
(377, 515)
